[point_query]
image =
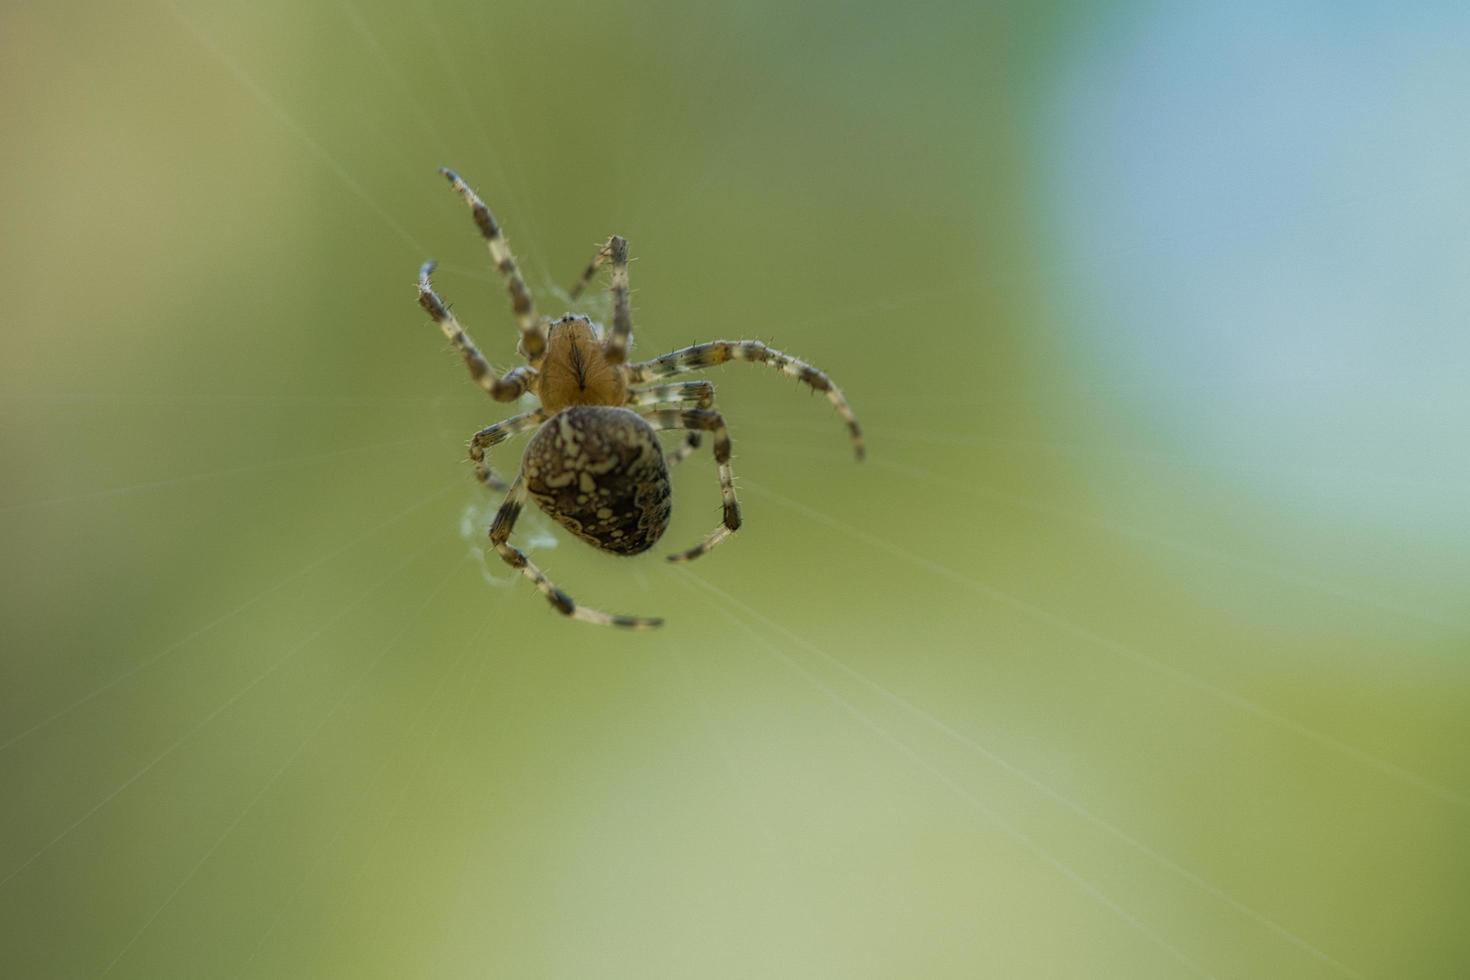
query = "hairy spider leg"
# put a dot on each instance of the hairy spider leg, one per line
(493, 435)
(622, 328)
(533, 330)
(505, 388)
(500, 529)
(600, 257)
(701, 356)
(702, 393)
(616, 249)
(706, 421)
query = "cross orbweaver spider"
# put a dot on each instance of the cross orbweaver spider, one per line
(594, 463)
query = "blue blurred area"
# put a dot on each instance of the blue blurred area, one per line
(1261, 226)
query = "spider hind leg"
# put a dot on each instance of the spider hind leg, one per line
(500, 529)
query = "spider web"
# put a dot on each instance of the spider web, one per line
(1038, 689)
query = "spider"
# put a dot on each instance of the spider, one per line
(594, 463)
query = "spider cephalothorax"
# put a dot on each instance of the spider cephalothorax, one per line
(595, 464)
(575, 370)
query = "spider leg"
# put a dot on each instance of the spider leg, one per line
(590, 271)
(533, 330)
(507, 388)
(493, 435)
(702, 356)
(707, 421)
(702, 393)
(616, 346)
(500, 529)
(687, 448)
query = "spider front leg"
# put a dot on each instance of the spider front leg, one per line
(701, 356)
(506, 388)
(493, 435)
(704, 420)
(615, 348)
(500, 528)
(702, 393)
(533, 329)
(591, 270)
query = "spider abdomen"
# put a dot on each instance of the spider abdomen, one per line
(600, 473)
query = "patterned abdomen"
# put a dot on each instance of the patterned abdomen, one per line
(600, 473)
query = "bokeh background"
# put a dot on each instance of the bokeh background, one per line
(1137, 648)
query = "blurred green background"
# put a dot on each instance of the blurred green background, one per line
(1137, 648)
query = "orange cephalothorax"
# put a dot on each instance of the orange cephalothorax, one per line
(576, 370)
